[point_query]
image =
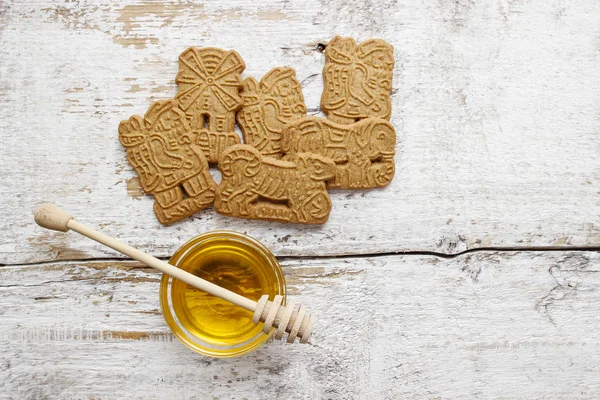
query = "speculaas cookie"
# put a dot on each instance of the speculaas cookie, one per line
(170, 148)
(161, 149)
(363, 151)
(358, 80)
(209, 81)
(267, 107)
(257, 187)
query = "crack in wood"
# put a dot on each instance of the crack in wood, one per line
(499, 249)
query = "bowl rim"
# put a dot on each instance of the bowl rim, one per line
(170, 316)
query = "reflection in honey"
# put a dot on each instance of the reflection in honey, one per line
(234, 265)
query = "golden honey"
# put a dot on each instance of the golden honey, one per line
(208, 324)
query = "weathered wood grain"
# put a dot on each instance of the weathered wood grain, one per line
(487, 325)
(496, 108)
(495, 104)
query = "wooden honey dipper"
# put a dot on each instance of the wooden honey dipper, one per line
(286, 319)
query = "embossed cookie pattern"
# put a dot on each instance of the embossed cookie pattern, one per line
(288, 160)
(257, 187)
(209, 81)
(358, 80)
(161, 149)
(363, 151)
(268, 107)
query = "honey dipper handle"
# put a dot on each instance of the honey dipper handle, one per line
(50, 216)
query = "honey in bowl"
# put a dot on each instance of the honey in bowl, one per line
(208, 324)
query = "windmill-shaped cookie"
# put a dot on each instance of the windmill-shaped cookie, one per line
(209, 81)
(268, 107)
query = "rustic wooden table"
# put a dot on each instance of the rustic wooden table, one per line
(475, 274)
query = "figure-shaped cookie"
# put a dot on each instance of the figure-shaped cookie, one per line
(358, 80)
(268, 106)
(161, 150)
(258, 187)
(363, 151)
(209, 81)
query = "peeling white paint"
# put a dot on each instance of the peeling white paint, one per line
(495, 104)
(484, 325)
(496, 109)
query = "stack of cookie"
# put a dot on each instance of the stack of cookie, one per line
(288, 159)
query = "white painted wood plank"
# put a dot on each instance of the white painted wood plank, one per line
(495, 104)
(485, 325)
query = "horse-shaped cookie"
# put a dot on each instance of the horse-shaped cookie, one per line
(209, 81)
(258, 187)
(363, 151)
(161, 149)
(268, 107)
(358, 80)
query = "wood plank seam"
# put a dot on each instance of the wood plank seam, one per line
(512, 249)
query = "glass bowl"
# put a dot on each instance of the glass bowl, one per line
(206, 323)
